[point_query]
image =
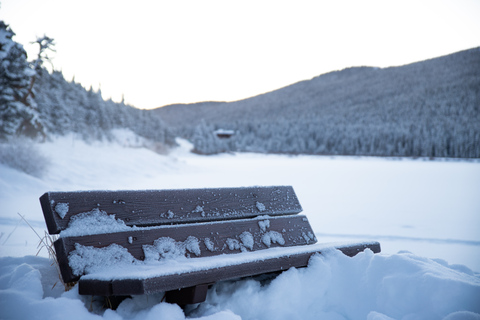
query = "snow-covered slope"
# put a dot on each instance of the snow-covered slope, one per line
(424, 109)
(427, 210)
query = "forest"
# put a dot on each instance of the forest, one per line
(40, 105)
(425, 109)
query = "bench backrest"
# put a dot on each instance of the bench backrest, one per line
(157, 207)
(154, 224)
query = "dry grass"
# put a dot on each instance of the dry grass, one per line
(46, 242)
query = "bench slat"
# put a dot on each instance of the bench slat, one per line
(155, 207)
(211, 275)
(196, 240)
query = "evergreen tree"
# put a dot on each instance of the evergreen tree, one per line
(18, 112)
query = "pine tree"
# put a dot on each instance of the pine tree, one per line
(18, 112)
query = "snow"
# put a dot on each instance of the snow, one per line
(247, 240)
(333, 287)
(199, 209)
(424, 214)
(168, 215)
(260, 206)
(168, 248)
(233, 244)
(93, 222)
(337, 287)
(89, 259)
(224, 132)
(272, 236)
(61, 209)
(209, 244)
(264, 224)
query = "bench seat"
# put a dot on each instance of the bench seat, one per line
(176, 274)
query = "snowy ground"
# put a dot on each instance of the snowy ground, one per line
(425, 214)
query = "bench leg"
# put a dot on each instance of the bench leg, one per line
(188, 295)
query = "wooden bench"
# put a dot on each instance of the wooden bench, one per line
(121, 243)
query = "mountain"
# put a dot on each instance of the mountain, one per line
(429, 109)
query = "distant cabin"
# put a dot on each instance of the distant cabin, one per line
(224, 134)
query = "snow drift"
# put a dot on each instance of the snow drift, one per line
(334, 286)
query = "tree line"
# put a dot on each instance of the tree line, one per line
(41, 104)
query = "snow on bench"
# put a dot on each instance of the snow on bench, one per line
(120, 243)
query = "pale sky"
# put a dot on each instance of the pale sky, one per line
(163, 52)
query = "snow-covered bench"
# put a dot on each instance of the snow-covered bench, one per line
(120, 243)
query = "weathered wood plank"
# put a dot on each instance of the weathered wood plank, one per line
(193, 240)
(191, 279)
(154, 207)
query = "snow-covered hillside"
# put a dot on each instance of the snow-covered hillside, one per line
(424, 109)
(424, 214)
